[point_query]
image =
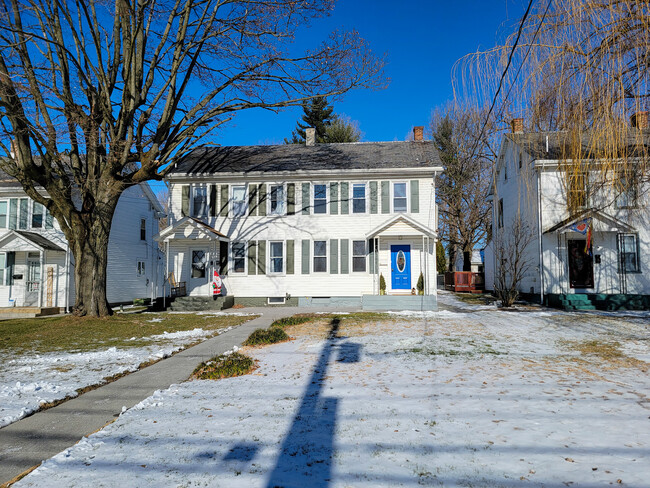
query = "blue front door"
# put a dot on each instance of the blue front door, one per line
(400, 265)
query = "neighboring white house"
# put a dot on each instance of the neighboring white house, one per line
(307, 223)
(600, 249)
(37, 268)
(476, 262)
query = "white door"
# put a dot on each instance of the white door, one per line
(199, 272)
(33, 281)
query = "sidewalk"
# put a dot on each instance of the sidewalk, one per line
(28, 442)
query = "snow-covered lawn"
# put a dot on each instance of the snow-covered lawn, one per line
(29, 379)
(478, 397)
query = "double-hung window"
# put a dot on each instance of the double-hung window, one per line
(320, 256)
(399, 197)
(500, 214)
(239, 203)
(3, 267)
(3, 214)
(629, 253)
(238, 257)
(276, 257)
(37, 215)
(199, 201)
(359, 256)
(628, 191)
(320, 199)
(277, 199)
(143, 229)
(359, 198)
(24, 213)
(141, 268)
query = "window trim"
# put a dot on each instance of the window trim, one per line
(327, 198)
(32, 214)
(621, 254)
(365, 198)
(269, 193)
(143, 228)
(4, 269)
(365, 255)
(634, 187)
(270, 259)
(392, 196)
(326, 256)
(6, 201)
(232, 200)
(141, 270)
(193, 188)
(231, 260)
(500, 214)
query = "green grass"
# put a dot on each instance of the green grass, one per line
(266, 336)
(295, 320)
(224, 366)
(81, 334)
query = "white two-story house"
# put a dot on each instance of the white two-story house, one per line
(37, 267)
(306, 224)
(588, 222)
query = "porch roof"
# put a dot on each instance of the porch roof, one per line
(170, 232)
(21, 240)
(602, 222)
(405, 221)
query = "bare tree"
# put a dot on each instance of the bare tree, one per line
(99, 96)
(467, 155)
(512, 259)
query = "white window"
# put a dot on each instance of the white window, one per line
(359, 198)
(277, 199)
(238, 257)
(320, 256)
(628, 191)
(399, 197)
(141, 271)
(143, 229)
(239, 204)
(629, 253)
(3, 214)
(320, 199)
(3, 266)
(276, 257)
(359, 256)
(199, 201)
(37, 215)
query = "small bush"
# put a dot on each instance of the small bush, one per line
(420, 284)
(382, 283)
(224, 366)
(266, 336)
(285, 321)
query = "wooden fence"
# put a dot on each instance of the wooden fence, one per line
(465, 281)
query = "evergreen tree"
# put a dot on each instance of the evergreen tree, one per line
(342, 129)
(317, 114)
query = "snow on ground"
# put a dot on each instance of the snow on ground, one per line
(467, 398)
(29, 380)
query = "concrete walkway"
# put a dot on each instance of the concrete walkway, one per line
(28, 442)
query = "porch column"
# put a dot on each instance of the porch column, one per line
(40, 277)
(166, 280)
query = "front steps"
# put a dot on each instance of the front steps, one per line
(200, 304)
(599, 301)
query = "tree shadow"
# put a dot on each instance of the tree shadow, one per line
(306, 454)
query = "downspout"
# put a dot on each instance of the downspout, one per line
(539, 233)
(40, 278)
(166, 277)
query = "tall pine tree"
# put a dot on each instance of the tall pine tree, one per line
(317, 114)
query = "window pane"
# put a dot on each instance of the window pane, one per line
(320, 265)
(200, 202)
(198, 264)
(320, 248)
(239, 257)
(320, 199)
(358, 264)
(276, 249)
(276, 257)
(399, 205)
(320, 191)
(239, 200)
(24, 211)
(358, 248)
(3, 215)
(277, 199)
(629, 244)
(399, 190)
(320, 256)
(358, 198)
(37, 215)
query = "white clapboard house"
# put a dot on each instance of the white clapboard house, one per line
(594, 256)
(37, 267)
(306, 224)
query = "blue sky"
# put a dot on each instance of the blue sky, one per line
(422, 40)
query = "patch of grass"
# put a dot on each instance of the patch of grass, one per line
(295, 320)
(605, 350)
(82, 334)
(475, 299)
(224, 366)
(266, 336)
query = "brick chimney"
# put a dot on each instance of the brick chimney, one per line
(639, 120)
(517, 126)
(310, 136)
(418, 133)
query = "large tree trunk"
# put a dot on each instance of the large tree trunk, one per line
(89, 245)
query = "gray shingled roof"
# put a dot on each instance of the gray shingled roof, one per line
(634, 143)
(294, 157)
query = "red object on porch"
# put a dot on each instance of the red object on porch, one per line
(464, 281)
